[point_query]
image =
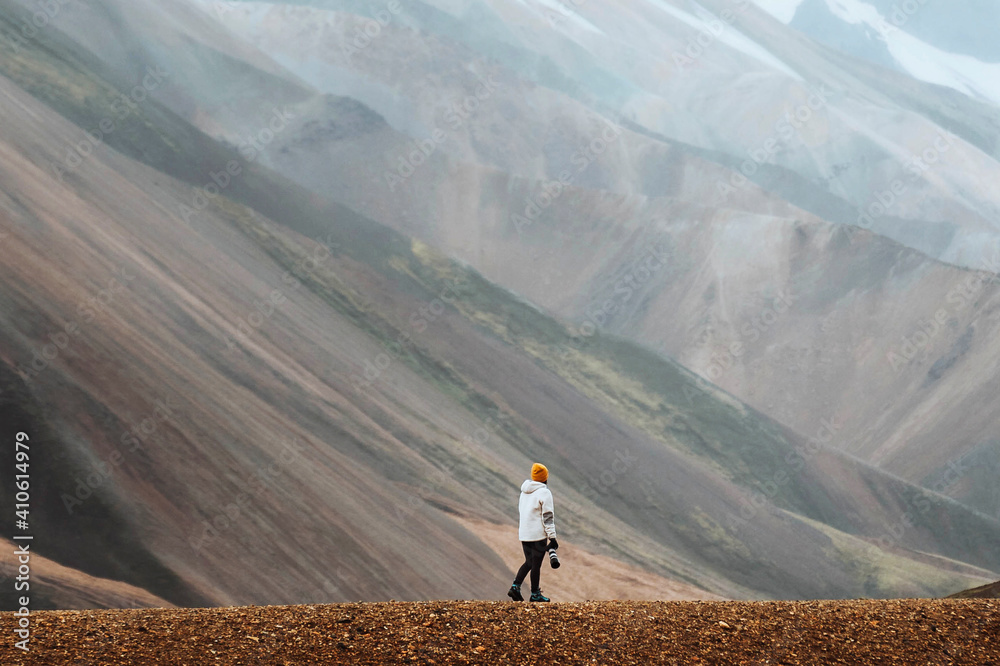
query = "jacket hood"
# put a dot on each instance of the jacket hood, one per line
(530, 486)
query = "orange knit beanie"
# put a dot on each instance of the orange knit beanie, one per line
(539, 472)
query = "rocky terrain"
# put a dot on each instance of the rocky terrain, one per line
(882, 633)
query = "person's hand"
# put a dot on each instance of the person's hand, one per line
(553, 544)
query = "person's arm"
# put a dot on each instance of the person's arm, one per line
(548, 515)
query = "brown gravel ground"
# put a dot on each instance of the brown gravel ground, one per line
(464, 632)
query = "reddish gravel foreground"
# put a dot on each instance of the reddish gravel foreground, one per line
(463, 632)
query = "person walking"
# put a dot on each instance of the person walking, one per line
(537, 527)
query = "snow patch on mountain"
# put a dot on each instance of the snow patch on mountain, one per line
(964, 73)
(922, 60)
(783, 10)
(865, 23)
(560, 13)
(729, 36)
(855, 11)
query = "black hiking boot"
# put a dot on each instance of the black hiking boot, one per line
(515, 593)
(536, 595)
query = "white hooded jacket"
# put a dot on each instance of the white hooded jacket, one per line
(538, 519)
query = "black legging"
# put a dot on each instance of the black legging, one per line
(534, 555)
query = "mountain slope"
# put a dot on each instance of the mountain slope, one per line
(362, 503)
(856, 139)
(646, 152)
(990, 591)
(580, 247)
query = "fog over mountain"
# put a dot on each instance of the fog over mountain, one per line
(294, 293)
